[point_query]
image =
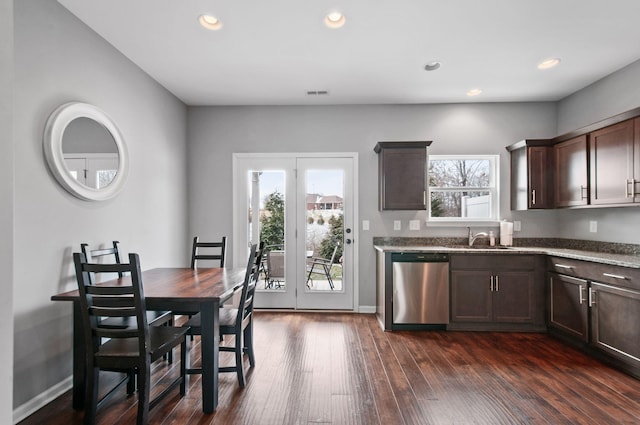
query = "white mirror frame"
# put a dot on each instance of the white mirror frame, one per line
(52, 143)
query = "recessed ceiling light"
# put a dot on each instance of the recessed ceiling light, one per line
(548, 63)
(474, 92)
(334, 20)
(210, 22)
(432, 66)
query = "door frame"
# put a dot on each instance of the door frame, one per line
(239, 250)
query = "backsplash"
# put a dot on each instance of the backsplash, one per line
(583, 245)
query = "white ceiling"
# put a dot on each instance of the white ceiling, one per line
(272, 52)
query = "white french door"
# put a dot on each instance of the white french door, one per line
(302, 206)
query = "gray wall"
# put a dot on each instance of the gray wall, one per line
(614, 94)
(6, 211)
(57, 60)
(217, 132)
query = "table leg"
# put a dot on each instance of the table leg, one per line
(209, 344)
(79, 367)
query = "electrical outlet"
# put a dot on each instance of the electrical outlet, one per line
(517, 226)
(397, 225)
(365, 224)
(414, 224)
(593, 226)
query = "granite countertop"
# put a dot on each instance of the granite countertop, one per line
(624, 260)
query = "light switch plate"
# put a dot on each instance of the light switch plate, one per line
(365, 224)
(517, 226)
(414, 224)
(397, 225)
(593, 226)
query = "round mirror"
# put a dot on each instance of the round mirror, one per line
(85, 151)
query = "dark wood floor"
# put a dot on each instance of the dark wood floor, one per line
(342, 369)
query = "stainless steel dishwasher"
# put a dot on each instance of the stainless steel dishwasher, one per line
(420, 288)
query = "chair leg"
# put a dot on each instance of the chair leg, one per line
(238, 352)
(91, 395)
(248, 344)
(183, 366)
(131, 383)
(143, 394)
(327, 271)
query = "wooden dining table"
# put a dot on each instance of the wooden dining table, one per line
(187, 290)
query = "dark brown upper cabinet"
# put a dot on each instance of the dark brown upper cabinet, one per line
(531, 174)
(613, 156)
(572, 173)
(402, 175)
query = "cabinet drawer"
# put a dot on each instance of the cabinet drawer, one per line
(569, 267)
(492, 262)
(604, 273)
(614, 275)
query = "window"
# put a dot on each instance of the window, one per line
(463, 187)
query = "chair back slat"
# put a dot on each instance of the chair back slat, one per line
(112, 302)
(111, 311)
(115, 299)
(96, 255)
(116, 333)
(220, 255)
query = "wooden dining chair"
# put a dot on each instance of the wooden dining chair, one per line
(131, 349)
(215, 251)
(101, 255)
(237, 321)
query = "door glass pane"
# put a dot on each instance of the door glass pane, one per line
(266, 224)
(324, 229)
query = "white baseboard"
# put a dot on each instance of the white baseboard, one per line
(41, 400)
(370, 309)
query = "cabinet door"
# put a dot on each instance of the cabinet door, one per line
(611, 164)
(540, 171)
(636, 160)
(513, 297)
(571, 185)
(402, 174)
(615, 314)
(531, 176)
(471, 296)
(568, 308)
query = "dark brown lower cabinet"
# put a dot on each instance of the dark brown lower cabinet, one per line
(615, 319)
(568, 306)
(597, 309)
(500, 297)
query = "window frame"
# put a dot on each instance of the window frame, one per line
(493, 189)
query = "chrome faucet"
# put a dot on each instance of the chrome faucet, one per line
(472, 237)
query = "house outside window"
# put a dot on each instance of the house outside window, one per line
(463, 188)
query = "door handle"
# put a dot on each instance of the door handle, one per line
(592, 297)
(533, 197)
(497, 283)
(580, 288)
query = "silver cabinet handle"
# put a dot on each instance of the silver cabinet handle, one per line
(583, 189)
(592, 297)
(491, 282)
(580, 288)
(615, 276)
(629, 193)
(497, 281)
(533, 197)
(562, 266)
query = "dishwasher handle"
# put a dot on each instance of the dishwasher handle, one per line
(419, 257)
